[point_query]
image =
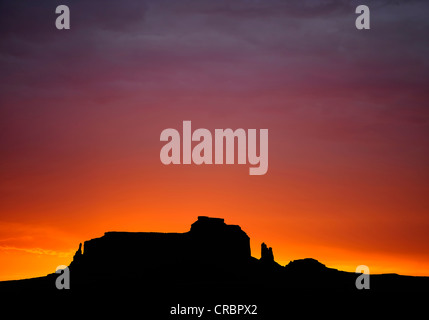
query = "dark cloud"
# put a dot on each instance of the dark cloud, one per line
(225, 45)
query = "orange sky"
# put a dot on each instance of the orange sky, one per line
(82, 112)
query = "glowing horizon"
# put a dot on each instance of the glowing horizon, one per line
(83, 109)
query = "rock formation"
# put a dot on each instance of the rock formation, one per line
(210, 241)
(211, 258)
(266, 253)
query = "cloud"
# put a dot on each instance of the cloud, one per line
(40, 251)
(193, 44)
(35, 238)
(299, 57)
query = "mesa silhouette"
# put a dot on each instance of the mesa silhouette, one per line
(212, 258)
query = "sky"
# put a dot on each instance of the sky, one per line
(82, 110)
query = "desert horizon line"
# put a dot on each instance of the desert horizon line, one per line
(280, 262)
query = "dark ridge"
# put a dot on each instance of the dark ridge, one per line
(210, 261)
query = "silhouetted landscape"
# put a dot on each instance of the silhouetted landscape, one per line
(209, 263)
